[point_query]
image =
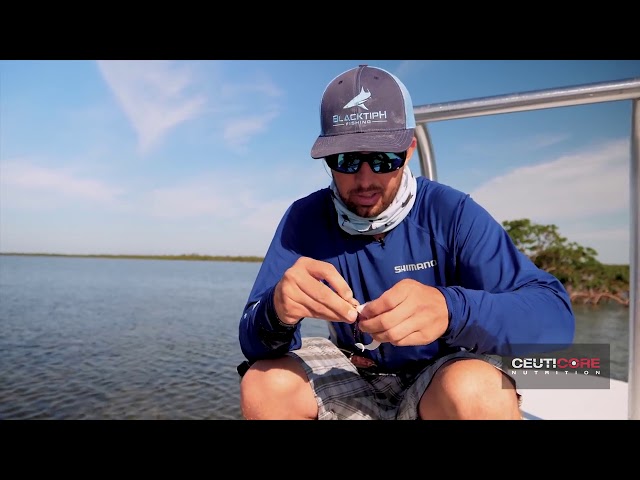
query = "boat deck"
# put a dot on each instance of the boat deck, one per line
(578, 404)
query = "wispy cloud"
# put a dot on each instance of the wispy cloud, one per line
(156, 96)
(574, 186)
(211, 196)
(238, 132)
(219, 195)
(585, 194)
(25, 185)
(260, 84)
(522, 144)
(409, 67)
(254, 108)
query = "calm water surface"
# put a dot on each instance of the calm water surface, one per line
(84, 338)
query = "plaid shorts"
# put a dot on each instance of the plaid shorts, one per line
(344, 392)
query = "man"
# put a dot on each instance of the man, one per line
(422, 289)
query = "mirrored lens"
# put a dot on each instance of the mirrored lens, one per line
(380, 162)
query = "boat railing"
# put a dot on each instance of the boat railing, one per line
(626, 89)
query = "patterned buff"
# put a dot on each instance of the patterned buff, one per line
(392, 216)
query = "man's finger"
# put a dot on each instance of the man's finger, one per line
(327, 272)
(332, 306)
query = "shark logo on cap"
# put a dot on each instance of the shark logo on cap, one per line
(358, 100)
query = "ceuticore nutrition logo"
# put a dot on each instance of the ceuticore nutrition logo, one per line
(551, 366)
(557, 366)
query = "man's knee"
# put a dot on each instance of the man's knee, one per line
(277, 389)
(470, 389)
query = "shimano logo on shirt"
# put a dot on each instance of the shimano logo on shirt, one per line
(415, 266)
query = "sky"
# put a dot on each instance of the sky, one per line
(203, 157)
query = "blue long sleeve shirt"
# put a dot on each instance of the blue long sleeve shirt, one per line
(499, 302)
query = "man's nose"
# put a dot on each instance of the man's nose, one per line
(365, 175)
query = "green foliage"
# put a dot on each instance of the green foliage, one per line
(574, 265)
(192, 256)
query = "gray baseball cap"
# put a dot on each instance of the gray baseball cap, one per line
(365, 109)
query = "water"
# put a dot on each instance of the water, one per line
(84, 338)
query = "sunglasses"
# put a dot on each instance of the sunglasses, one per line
(380, 162)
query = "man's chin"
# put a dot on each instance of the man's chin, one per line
(367, 212)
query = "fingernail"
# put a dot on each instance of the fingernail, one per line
(352, 315)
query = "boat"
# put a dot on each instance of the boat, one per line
(619, 400)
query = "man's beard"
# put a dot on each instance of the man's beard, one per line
(373, 210)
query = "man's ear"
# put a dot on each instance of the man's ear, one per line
(412, 147)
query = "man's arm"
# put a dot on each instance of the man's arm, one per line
(504, 304)
(310, 288)
(261, 334)
(294, 284)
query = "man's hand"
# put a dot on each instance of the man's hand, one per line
(409, 313)
(301, 293)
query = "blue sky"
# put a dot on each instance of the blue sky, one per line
(180, 157)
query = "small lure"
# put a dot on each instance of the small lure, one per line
(374, 344)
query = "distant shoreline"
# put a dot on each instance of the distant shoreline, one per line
(193, 257)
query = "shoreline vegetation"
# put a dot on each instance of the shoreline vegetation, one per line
(586, 279)
(192, 256)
